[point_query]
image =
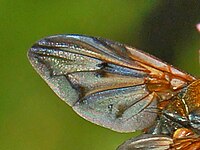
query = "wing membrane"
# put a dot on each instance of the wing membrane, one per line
(146, 142)
(161, 142)
(106, 82)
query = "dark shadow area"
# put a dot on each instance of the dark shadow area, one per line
(169, 24)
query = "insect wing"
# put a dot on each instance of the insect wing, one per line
(160, 142)
(146, 142)
(105, 82)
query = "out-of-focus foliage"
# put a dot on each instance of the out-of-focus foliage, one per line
(31, 116)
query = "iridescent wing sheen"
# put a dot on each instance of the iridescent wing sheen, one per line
(105, 82)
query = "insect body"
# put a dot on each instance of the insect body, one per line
(123, 89)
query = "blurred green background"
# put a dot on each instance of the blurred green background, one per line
(31, 116)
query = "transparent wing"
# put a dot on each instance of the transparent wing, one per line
(105, 82)
(147, 142)
(183, 139)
